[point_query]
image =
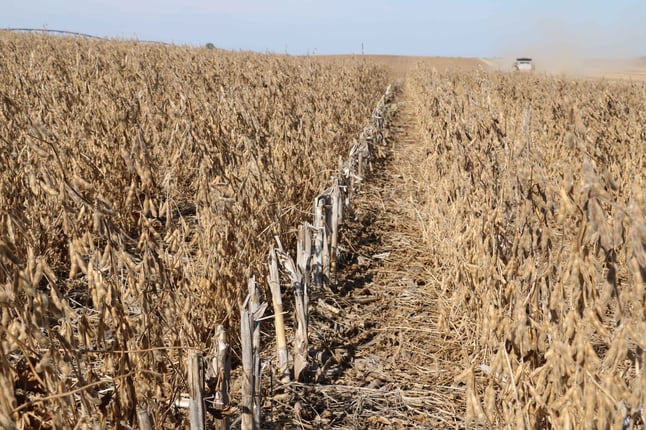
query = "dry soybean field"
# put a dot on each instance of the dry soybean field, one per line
(139, 185)
(491, 272)
(528, 192)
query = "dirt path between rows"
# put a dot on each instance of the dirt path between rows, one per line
(380, 360)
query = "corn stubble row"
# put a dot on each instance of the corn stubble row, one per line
(139, 186)
(536, 224)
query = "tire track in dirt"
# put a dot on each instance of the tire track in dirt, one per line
(380, 359)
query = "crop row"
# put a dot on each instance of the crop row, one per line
(535, 219)
(139, 186)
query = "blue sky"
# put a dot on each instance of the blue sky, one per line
(469, 28)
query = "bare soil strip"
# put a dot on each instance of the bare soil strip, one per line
(380, 359)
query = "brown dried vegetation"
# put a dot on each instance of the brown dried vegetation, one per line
(531, 202)
(139, 185)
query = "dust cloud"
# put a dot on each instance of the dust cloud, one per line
(576, 45)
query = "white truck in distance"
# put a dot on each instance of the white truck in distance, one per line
(524, 64)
